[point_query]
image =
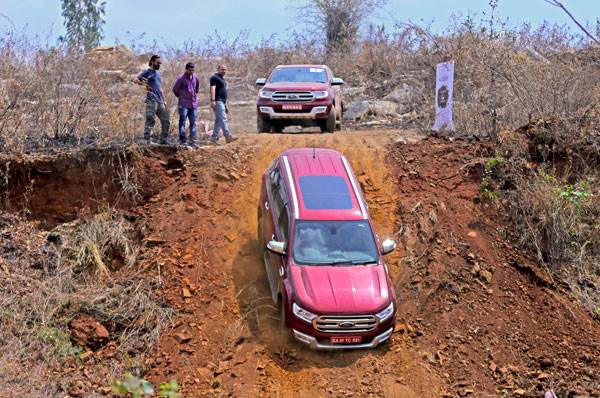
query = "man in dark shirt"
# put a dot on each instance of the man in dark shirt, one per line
(155, 101)
(218, 102)
(186, 90)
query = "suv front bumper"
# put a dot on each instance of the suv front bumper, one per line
(315, 112)
(314, 343)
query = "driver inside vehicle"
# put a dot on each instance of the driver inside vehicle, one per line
(311, 243)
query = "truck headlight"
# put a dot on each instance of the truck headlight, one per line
(320, 94)
(265, 94)
(303, 314)
(386, 313)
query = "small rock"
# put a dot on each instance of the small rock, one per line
(546, 363)
(88, 332)
(154, 241)
(185, 292)
(486, 276)
(543, 376)
(182, 338)
(519, 392)
(230, 237)
(54, 237)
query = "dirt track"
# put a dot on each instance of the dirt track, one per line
(475, 318)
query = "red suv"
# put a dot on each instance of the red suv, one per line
(323, 260)
(303, 95)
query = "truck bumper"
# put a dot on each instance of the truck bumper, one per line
(314, 344)
(315, 112)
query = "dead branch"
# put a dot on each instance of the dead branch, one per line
(560, 5)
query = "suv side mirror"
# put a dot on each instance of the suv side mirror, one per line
(336, 81)
(261, 82)
(276, 247)
(388, 246)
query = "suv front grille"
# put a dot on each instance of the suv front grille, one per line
(345, 324)
(292, 96)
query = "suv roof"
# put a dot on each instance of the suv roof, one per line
(323, 186)
(301, 65)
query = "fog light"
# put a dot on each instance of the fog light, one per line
(265, 109)
(320, 109)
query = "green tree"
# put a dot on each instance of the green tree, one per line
(83, 21)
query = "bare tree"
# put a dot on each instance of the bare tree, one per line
(340, 20)
(560, 5)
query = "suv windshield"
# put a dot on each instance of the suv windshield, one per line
(298, 75)
(334, 242)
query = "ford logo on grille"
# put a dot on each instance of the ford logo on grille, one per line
(346, 325)
(292, 96)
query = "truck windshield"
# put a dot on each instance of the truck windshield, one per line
(299, 75)
(334, 243)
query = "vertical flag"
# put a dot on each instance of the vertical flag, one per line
(444, 83)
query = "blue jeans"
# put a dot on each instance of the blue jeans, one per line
(220, 121)
(187, 113)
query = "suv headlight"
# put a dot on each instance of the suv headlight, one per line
(386, 313)
(320, 94)
(303, 314)
(265, 94)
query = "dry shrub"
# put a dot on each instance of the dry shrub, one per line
(559, 222)
(103, 244)
(549, 181)
(45, 288)
(504, 78)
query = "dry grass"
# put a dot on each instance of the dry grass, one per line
(503, 80)
(103, 244)
(49, 284)
(559, 222)
(548, 180)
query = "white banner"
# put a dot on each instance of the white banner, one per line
(444, 83)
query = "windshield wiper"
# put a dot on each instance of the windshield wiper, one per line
(349, 262)
(363, 262)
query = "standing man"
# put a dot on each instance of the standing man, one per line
(218, 102)
(155, 101)
(186, 90)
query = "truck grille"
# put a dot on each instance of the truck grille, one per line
(292, 96)
(345, 324)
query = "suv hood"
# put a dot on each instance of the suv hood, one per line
(341, 289)
(304, 86)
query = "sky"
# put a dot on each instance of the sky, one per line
(172, 23)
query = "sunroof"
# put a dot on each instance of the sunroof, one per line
(325, 193)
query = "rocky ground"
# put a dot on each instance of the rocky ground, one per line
(476, 317)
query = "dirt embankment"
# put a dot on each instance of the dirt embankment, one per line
(474, 315)
(475, 318)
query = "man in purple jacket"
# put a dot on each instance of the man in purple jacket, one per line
(186, 90)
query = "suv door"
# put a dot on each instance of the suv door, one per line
(275, 224)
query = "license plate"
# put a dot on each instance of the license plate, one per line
(292, 107)
(346, 340)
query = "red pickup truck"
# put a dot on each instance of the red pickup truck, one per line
(323, 260)
(303, 95)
